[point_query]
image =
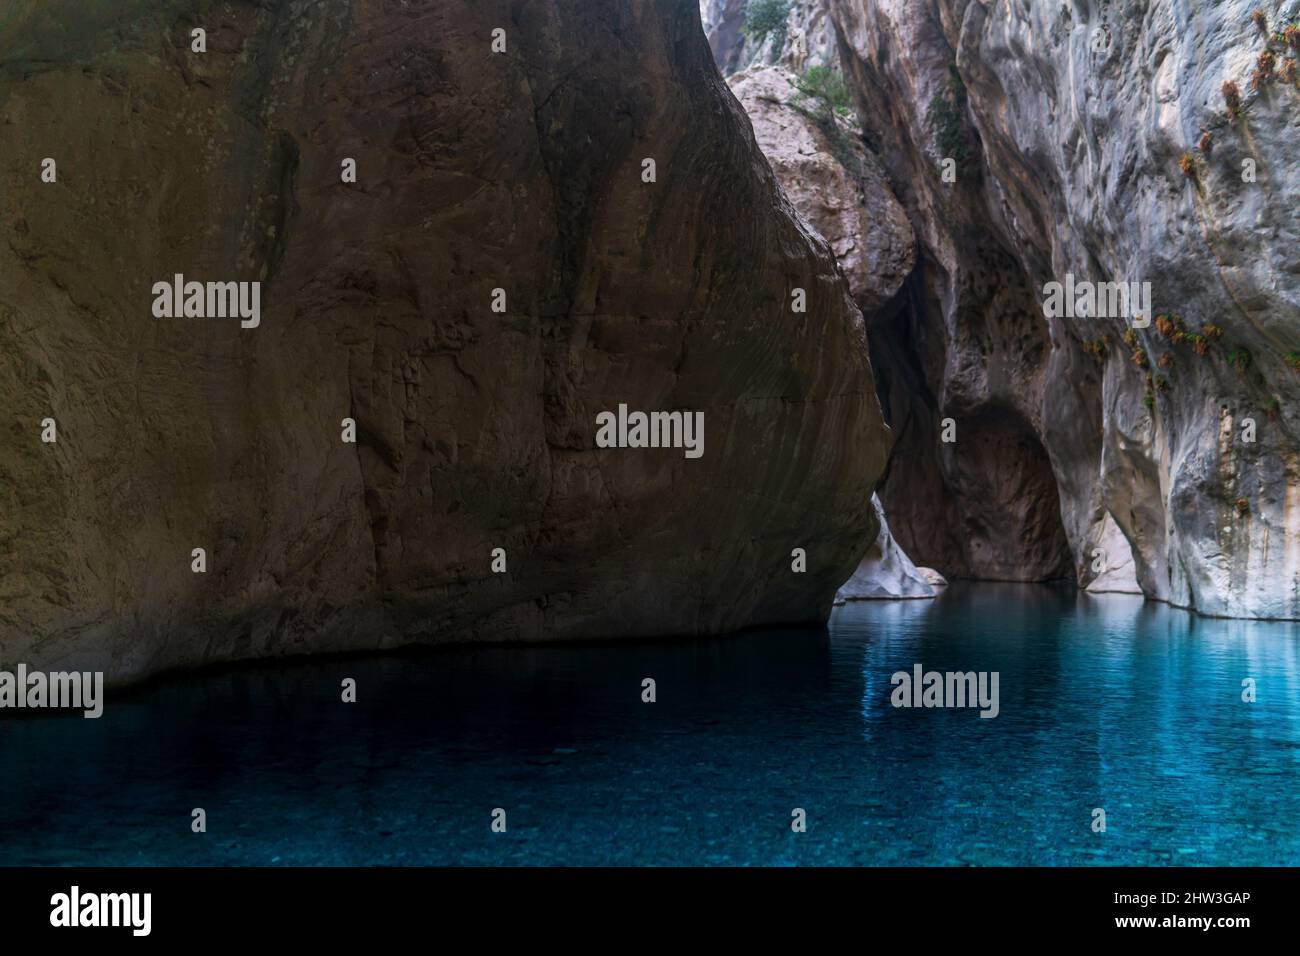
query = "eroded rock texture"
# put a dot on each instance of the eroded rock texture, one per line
(805, 37)
(1067, 123)
(832, 180)
(886, 573)
(477, 171)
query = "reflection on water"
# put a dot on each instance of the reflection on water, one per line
(1104, 702)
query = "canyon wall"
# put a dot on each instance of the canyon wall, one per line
(664, 288)
(1092, 139)
(794, 34)
(806, 130)
(833, 181)
(1032, 143)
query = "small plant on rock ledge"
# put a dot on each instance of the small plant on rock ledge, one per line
(1291, 34)
(1097, 348)
(1166, 360)
(1140, 358)
(1149, 400)
(1239, 358)
(825, 101)
(1212, 331)
(1232, 97)
(1170, 326)
(827, 87)
(1200, 344)
(1292, 360)
(1264, 70)
(1260, 20)
(1206, 145)
(1243, 506)
(1288, 71)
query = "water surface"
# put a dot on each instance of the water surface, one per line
(1104, 702)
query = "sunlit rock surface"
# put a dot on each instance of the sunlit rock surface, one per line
(833, 181)
(1113, 565)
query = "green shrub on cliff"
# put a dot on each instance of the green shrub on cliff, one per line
(947, 118)
(827, 87)
(1240, 358)
(764, 17)
(823, 97)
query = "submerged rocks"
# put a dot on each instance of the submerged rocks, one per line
(505, 268)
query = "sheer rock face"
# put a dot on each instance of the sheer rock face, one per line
(838, 186)
(832, 181)
(1068, 122)
(476, 430)
(807, 39)
(724, 24)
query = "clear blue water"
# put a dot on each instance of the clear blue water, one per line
(1105, 702)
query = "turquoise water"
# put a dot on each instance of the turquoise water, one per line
(1104, 702)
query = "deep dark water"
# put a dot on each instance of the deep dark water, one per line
(1105, 702)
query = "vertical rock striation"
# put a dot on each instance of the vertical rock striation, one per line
(1093, 140)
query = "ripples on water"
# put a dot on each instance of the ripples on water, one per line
(1105, 702)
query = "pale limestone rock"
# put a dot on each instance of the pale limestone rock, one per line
(808, 39)
(1074, 120)
(885, 572)
(1115, 558)
(933, 577)
(832, 180)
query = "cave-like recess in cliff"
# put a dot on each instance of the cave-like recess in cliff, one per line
(985, 506)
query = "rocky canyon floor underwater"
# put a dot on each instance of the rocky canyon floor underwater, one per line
(1106, 702)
